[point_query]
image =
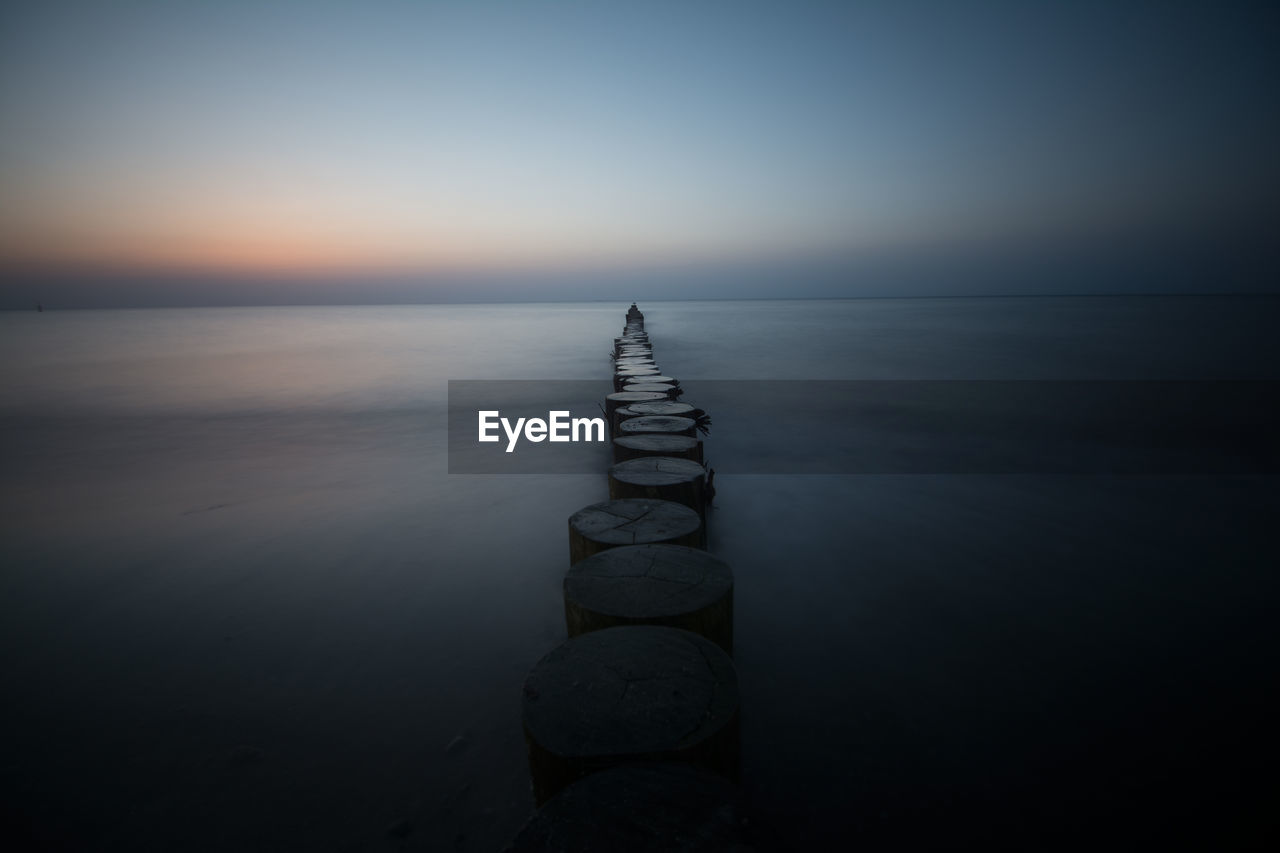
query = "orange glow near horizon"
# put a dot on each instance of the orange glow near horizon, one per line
(300, 236)
(295, 253)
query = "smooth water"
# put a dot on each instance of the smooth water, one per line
(245, 606)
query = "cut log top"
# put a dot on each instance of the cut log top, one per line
(650, 380)
(657, 471)
(636, 396)
(651, 386)
(656, 442)
(648, 581)
(629, 691)
(634, 521)
(672, 808)
(657, 423)
(660, 407)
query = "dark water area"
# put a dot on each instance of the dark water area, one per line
(245, 607)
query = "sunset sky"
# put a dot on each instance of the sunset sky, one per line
(183, 152)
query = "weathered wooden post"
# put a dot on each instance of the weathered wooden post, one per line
(656, 444)
(623, 371)
(620, 383)
(668, 408)
(618, 399)
(671, 391)
(633, 693)
(650, 380)
(621, 375)
(669, 585)
(665, 478)
(662, 424)
(633, 521)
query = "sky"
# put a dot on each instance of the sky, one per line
(238, 152)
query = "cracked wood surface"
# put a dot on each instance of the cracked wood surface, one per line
(665, 390)
(634, 521)
(657, 471)
(621, 399)
(660, 379)
(626, 693)
(657, 424)
(622, 380)
(648, 581)
(656, 444)
(670, 585)
(670, 408)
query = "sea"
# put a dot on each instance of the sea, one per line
(244, 604)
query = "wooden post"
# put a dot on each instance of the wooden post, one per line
(623, 372)
(667, 585)
(670, 390)
(656, 444)
(619, 399)
(634, 693)
(658, 424)
(665, 478)
(659, 379)
(651, 408)
(633, 521)
(621, 382)
(621, 375)
(660, 407)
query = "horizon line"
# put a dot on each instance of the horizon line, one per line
(1235, 294)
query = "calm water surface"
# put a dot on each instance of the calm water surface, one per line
(245, 607)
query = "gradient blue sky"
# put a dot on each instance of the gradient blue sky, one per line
(183, 152)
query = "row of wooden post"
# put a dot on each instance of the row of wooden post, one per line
(632, 724)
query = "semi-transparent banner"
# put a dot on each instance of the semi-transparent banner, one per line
(890, 427)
